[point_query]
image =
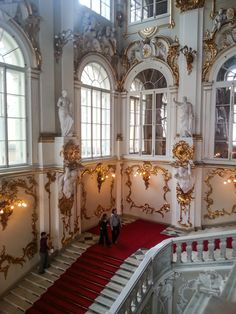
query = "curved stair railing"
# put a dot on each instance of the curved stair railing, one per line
(208, 248)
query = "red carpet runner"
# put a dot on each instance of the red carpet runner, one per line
(77, 288)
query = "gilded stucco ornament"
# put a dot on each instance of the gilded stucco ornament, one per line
(220, 38)
(186, 5)
(183, 152)
(7, 260)
(71, 155)
(100, 171)
(151, 170)
(157, 48)
(216, 213)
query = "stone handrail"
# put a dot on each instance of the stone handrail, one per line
(170, 253)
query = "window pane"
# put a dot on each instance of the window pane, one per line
(16, 129)
(161, 7)
(160, 147)
(17, 152)
(15, 82)
(106, 150)
(10, 53)
(135, 10)
(2, 106)
(2, 79)
(96, 148)
(2, 129)
(16, 106)
(3, 161)
(222, 122)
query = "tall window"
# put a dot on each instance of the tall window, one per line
(144, 9)
(225, 111)
(102, 7)
(13, 148)
(95, 112)
(148, 114)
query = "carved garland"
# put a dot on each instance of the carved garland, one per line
(213, 214)
(186, 5)
(146, 207)
(101, 171)
(6, 260)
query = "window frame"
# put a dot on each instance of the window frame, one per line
(151, 18)
(101, 90)
(100, 8)
(18, 69)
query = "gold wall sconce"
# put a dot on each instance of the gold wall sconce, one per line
(104, 172)
(145, 171)
(189, 54)
(7, 205)
(231, 179)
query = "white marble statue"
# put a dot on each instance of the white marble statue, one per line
(218, 21)
(185, 113)
(64, 111)
(67, 183)
(184, 178)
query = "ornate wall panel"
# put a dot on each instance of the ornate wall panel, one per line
(145, 172)
(26, 186)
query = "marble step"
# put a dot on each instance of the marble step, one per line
(8, 308)
(74, 250)
(70, 255)
(31, 287)
(104, 301)
(65, 260)
(114, 286)
(24, 294)
(17, 302)
(59, 265)
(46, 276)
(120, 280)
(123, 273)
(109, 293)
(98, 308)
(132, 261)
(55, 271)
(128, 267)
(38, 281)
(80, 245)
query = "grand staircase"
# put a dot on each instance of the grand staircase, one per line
(95, 294)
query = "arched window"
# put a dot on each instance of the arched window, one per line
(225, 111)
(13, 141)
(95, 112)
(148, 113)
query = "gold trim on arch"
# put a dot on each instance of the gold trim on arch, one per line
(213, 214)
(153, 170)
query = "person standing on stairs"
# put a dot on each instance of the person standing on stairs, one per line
(43, 251)
(115, 225)
(104, 238)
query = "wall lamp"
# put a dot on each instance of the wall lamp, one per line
(189, 54)
(7, 205)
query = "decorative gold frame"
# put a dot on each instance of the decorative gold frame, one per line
(154, 170)
(213, 214)
(100, 209)
(6, 260)
(51, 176)
(186, 5)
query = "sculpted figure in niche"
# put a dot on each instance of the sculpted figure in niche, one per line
(64, 112)
(184, 177)
(185, 113)
(67, 183)
(218, 21)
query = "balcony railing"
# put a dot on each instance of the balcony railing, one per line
(207, 248)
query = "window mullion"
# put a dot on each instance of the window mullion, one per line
(91, 124)
(101, 126)
(5, 116)
(231, 122)
(153, 123)
(140, 124)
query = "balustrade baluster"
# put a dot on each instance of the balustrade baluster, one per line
(223, 248)
(189, 251)
(200, 250)
(211, 246)
(178, 252)
(234, 246)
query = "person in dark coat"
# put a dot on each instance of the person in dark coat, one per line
(43, 251)
(104, 238)
(115, 225)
